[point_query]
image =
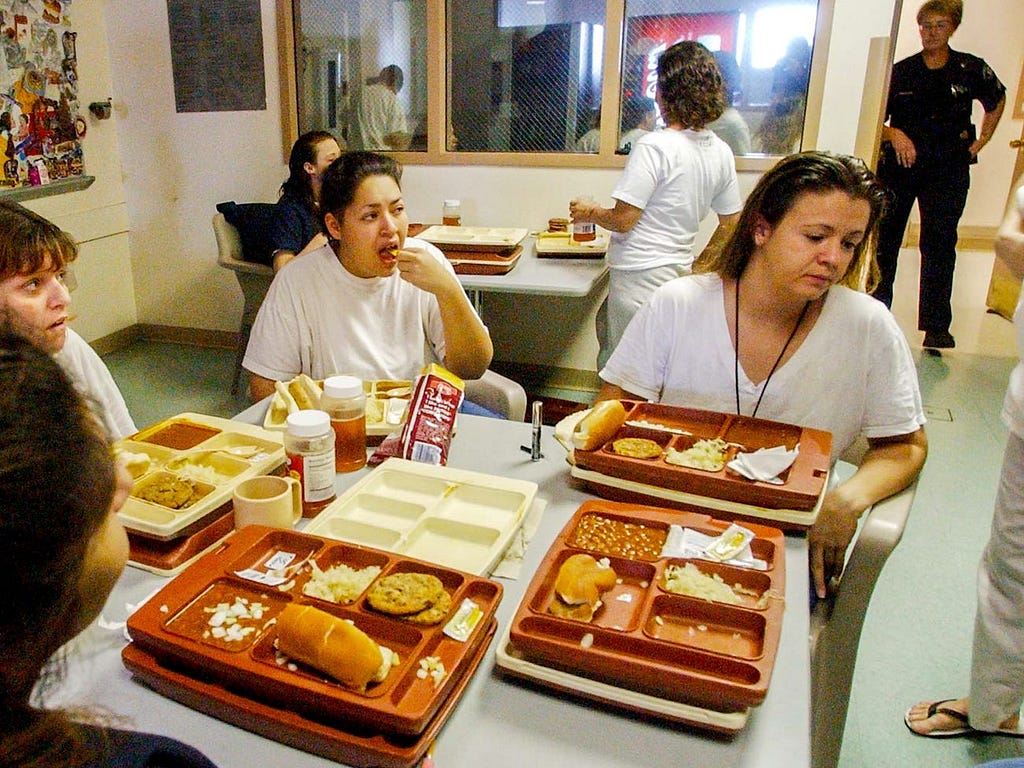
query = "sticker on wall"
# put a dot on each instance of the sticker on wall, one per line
(40, 125)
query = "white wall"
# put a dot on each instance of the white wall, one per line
(178, 166)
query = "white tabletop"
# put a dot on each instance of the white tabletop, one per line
(546, 277)
(499, 722)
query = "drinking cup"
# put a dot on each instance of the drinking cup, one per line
(268, 500)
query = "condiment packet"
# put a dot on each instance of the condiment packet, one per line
(690, 544)
(461, 625)
(730, 543)
(765, 464)
(276, 572)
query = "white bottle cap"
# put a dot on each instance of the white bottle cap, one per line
(308, 423)
(340, 387)
(452, 203)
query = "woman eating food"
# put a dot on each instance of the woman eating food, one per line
(779, 328)
(35, 300)
(60, 490)
(370, 301)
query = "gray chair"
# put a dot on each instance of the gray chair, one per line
(254, 280)
(836, 623)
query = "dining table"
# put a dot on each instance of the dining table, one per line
(500, 721)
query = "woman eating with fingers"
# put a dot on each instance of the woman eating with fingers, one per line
(779, 328)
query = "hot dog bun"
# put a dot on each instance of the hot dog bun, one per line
(333, 646)
(305, 391)
(599, 426)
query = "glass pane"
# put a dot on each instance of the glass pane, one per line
(362, 71)
(524, 76)
(762, 48)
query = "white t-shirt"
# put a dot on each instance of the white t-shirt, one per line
(92, 379)
(320, 319)
(677, 178)
(380, 114)
(853, 373)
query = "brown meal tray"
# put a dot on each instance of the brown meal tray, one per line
(172, 627)
(679, 428)
(483, 262)
(644, 638)
(169, 557)
(363, 748)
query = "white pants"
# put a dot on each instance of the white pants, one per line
(997, 662)
(627, 292)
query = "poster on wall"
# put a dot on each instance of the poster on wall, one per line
(40, 126)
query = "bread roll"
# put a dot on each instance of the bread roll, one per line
(331, 645)
(599, 426)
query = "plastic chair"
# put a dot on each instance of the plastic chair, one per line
(836, 623)
(498, 394)
(254, 280)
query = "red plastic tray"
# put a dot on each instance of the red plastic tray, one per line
(644, 638)
(172, 627)
(803, 483)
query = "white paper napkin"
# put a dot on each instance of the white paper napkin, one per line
(690, 544)
(764, 464)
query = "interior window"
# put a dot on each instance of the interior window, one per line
(361, 71)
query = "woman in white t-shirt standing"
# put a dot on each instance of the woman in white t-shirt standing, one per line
(778, 328)
(674, 177)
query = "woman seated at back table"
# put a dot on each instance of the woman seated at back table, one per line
(369, 302)
(60, 490)
(777, 328)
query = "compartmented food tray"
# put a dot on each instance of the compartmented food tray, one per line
(459, 519)
(491, 239)
(258, 571)
(651, 633)
(185, 469)
(512, 661)
(484, 262)
(382, 415)
(561, 245)
(363, 748)
(676, 430)
(167, 558)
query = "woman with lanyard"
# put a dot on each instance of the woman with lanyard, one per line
(929, 145)
(777, 328)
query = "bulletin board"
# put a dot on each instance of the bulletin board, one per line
(217, 55)
(41, 129)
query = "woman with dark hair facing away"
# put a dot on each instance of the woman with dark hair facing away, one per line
(779, 328)
(928, 146)
(35, 300)
(60, 490)
(298, 226)
(674, 177)
(371, 301)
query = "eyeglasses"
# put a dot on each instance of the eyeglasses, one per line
(934, 26)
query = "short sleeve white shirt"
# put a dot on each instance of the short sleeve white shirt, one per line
(676, 178)
(320, 319)
(93, 380)
(380, 114)
(852, 375)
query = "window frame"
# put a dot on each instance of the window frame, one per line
(611, 88)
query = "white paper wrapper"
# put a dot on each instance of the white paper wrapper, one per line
(688, 543)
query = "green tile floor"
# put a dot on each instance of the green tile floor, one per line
(916, 640)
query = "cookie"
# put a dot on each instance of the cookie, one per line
(435, 614)
(403, 593)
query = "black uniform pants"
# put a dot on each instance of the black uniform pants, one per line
(941, 194)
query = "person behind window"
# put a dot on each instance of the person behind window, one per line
(60, 490)
(731, 127)
(674, 177)
(777, 328)
(639, 116)
(591, 140)
(370, 301)
(781, 129)
(297, 227)
(929, 145)
(35, 300)
(382, 124)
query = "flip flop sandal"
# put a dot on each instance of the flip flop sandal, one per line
(936, 708)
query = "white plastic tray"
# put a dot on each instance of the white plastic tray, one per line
(474, 238)
(507, 658)
(376, 392)
(458, 519)
(562, 244)
(216, 453)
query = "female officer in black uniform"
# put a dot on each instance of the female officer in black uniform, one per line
(928, 146)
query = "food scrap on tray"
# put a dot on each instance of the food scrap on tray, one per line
(709, 455)
(339, 583)
(689, 580)
(579, 585)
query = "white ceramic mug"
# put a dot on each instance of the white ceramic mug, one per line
(268, 500)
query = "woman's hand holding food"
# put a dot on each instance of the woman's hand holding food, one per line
(418, 267)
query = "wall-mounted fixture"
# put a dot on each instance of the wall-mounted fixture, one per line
(101, 109)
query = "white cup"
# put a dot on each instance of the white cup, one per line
(268, 500)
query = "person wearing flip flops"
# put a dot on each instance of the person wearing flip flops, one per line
(997, 663)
